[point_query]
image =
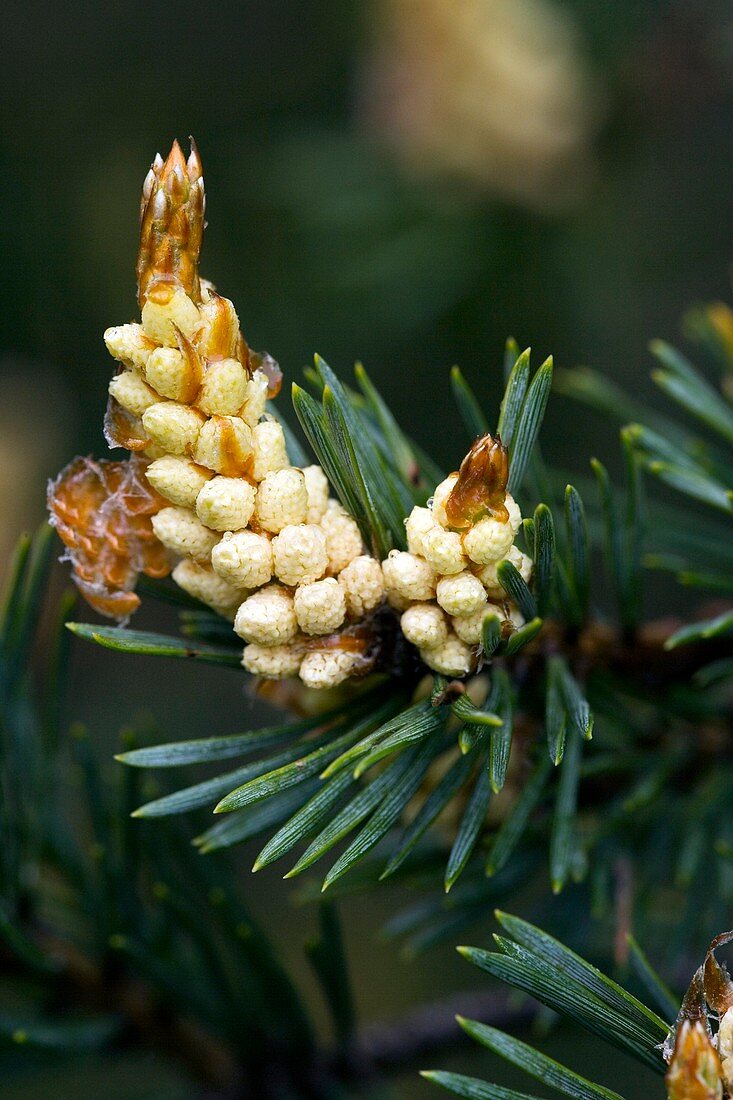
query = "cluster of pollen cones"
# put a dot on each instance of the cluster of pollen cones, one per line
(209, 493)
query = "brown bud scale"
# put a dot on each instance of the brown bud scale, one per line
(482, 485)
(171, 227)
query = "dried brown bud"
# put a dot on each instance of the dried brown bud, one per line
(171, 227)
(717, 980)
(482, 484)
(102, 512)
(695, 1071)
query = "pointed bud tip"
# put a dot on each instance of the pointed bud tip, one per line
(481, 487)
(171, 223)
(195, 168)
(695, 1070)
(175, 158)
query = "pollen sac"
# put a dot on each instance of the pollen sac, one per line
(167, 312)
(409, 576)
(255, 401)
(443, 585)
(299, 554)
(362, 581)
(488, 540)
(243, 558)
(267, 617)
(273, 662)
(270, 452)
(418, 526)
(282, 500)
(224, 444)
(219, 334)
(452, 658)
(444, 550)
(129, 345)
(173, 426)
(178, 479)
(226, 503)
(320, 607)
(337, 657)
(184, 534)
(324, 669)
(203, 584)
(460, 594)
(223, 388)
(425, 625)
(316, 487)
(175, 372)
(129, 391)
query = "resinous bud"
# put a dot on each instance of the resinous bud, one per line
(481, 487)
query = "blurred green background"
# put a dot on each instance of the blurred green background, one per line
(405, 182)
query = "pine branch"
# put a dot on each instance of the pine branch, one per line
(552, 740)
(530, 960)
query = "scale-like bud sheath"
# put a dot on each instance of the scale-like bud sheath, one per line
(480, 490)
(171, 227)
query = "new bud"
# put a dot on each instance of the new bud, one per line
(695, 1071)
(481, 487)
(171, 226)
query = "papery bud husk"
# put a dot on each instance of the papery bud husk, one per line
(102, 511)
(481, 487)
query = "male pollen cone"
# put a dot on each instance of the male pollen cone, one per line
(482, 485)
(171, 227)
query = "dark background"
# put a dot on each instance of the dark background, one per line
(333, 229)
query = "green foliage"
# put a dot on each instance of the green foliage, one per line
(576, 751)
(537, 964)
(697, 466)
(355, 443)
(366, 784)
(359, 767)
(157, 645)
(94, 907)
